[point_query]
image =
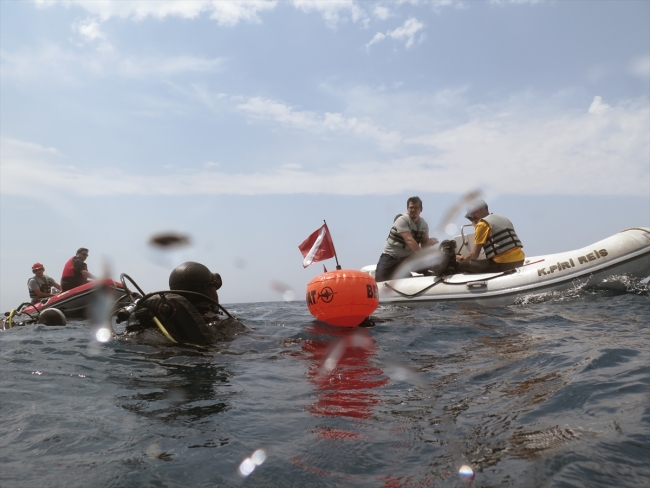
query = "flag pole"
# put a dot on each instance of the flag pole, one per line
(338, 266)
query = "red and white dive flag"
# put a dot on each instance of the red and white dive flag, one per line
(317, 247)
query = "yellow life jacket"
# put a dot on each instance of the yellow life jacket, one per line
(502, 236)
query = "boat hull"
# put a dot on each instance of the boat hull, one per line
(624, 254)
(76, 303)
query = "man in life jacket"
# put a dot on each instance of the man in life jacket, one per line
(496, 235)
(409, 234)
(40, 285)
(75, 271)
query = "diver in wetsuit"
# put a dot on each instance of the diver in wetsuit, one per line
(189, 313)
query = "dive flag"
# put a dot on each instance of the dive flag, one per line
(317, 247)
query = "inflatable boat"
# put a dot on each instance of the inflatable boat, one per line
(76, 302)
(624, 254)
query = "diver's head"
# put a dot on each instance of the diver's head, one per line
(195, 277)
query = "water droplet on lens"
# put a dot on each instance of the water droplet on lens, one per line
(153, 451)
(283, 289)
(103, 334)
(466, 471)
(166, 240)
(259, 456)
(451, 229)
(330, 364)
(246, 467)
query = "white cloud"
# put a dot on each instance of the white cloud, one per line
(264, 109)
(229, 13)
(436, 4)
(89, 29)
(292, 166)
(53, 62)
(566, 152)
(598, 106)
(331, 10)
(640, 67)
(505, 2)
(142, 67)
(13, 148)
(49, 62)
(378, 37)
(407, 32)
(516, 146)
(382, 13)
(225, 13)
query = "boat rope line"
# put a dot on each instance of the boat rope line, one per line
(387, 284)
(510, 271)
(406, 295)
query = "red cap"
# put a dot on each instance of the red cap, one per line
(36, 266)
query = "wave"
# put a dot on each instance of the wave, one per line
(612, 285)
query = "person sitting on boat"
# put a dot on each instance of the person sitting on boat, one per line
(409, 235)
(75, 271)
(40, 285)
(496, 235)
(189, 313)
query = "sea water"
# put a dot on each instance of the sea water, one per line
(552, 391)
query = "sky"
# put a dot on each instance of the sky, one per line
(245, 124)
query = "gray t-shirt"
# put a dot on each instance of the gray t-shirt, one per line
(401, 224)
(34, 283)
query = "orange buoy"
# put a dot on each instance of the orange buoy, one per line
(343, 297)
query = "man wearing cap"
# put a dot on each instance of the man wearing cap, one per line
(75, 271)
(40, 285)
(409, 235)
(496, 235)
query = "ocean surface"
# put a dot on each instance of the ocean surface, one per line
(553, 391)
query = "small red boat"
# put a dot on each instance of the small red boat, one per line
(76, 303)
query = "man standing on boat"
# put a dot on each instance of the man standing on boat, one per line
(40, 285)
(496, 235)
(409, 234)
(75, 271)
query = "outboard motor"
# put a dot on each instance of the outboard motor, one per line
(449, 265)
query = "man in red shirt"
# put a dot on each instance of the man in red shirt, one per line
(75, 271)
